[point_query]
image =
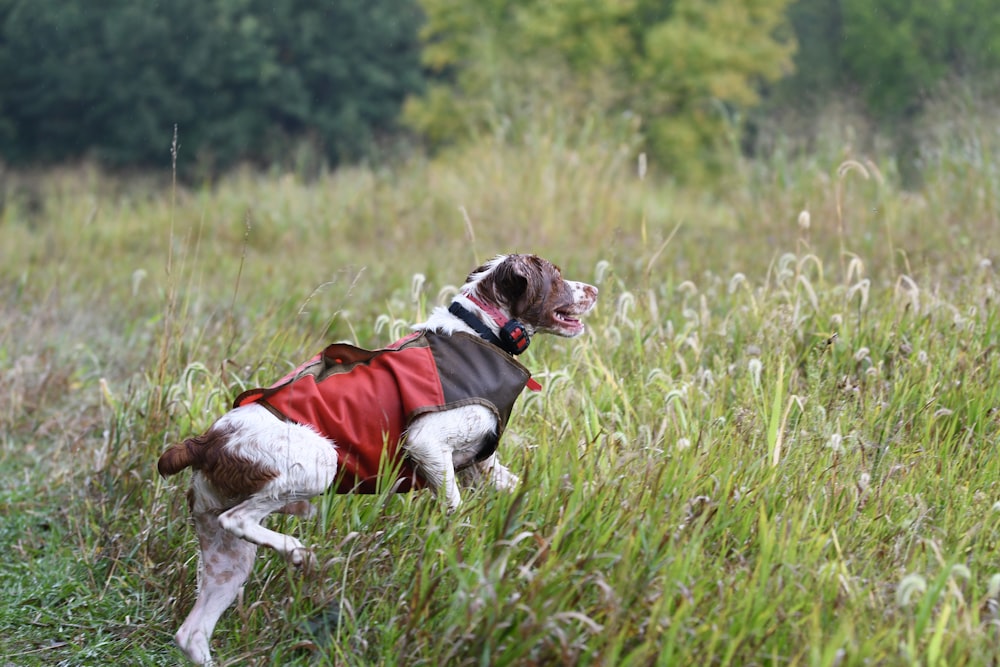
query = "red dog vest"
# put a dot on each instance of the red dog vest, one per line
(364, 400)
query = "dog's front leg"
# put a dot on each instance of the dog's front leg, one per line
(432, 455)
(435, 466)
(451, 493)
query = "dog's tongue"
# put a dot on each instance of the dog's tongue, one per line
(533, 385)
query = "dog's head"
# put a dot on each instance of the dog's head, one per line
(532, 290)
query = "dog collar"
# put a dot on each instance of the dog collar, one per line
(513, 338)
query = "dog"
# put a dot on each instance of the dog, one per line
(351, 420)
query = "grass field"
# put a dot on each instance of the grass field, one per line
(776, 444)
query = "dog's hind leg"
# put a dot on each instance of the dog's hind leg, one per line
(306, 464)
(244, 520)
(224, 565)
(272, 466)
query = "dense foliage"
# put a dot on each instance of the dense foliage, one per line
(239, 77)
(892, 52)
(325, 81)
(679, 68)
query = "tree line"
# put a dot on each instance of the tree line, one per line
(248, 80)
(240, 78)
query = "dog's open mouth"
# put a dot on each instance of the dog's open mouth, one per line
(567, 321)
(565, 318)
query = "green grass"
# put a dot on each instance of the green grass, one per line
(775, 445)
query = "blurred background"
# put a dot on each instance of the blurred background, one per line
(310, 85)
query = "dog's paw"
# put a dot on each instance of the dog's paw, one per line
(302, 558)
(504, 479)
(195, 646)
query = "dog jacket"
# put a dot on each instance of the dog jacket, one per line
(364, 400)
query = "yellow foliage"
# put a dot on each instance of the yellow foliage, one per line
(684, 68)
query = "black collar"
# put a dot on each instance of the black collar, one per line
(513, 338)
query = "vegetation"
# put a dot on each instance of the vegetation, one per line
(308, 85)
(245, 80)
(775, 444)
(893, 54)
(678, 69)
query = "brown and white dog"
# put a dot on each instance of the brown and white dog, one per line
(453, 384)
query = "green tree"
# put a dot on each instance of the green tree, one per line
(241, 78)
(891, 53)
(682, 66)
(897, 51)
(889, 56)
(702, 66)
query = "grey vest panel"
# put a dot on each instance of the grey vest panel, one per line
(474, 372)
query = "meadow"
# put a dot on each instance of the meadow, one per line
(775, 445)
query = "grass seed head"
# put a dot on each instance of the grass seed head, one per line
(735, 282)
(754, 367)
(910, 585)
(993, 588)
(804, 220)
(417, 286)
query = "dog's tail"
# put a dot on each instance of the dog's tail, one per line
(190, 453)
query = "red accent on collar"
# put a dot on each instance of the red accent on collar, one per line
(490, 310)
(497, 315)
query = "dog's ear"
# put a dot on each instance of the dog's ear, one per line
(512, 276)
(477, 273)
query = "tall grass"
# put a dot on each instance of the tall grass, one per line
(775, 445)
